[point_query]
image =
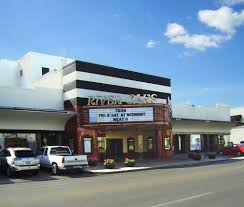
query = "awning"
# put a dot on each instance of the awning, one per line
(14, 118)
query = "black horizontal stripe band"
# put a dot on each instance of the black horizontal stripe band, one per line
(80, 102)
(112, 88)
(114, 72)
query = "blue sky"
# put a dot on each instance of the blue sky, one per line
(199, 44)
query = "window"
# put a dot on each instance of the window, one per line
(6, 153)
(45, 152)
(101, 143)
(41, 151)
(131, 144)
(167, 144)
(24, 153)
(150, 144)
(45, 70)
(60, 151)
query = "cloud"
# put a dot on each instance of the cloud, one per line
(224, 19)
(231, 2)
(151, 44)
(177, 34)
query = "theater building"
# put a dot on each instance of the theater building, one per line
(120, 113)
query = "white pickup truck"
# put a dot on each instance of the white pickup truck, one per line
(59, 158)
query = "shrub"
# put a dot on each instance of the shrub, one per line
(92, 163)
(109, 163)
(212, 155)
(195, 155)
(129, 162)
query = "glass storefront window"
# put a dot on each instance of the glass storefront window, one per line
(150, 144)
(167, 144)
(195, 142)
(131, 144)
(101, 144)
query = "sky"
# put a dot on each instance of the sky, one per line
(198, 44)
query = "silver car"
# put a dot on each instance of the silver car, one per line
(18, 159)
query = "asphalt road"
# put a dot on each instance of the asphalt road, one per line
(214, 186)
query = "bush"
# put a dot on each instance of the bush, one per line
(195, 155)
(212, 155)
(109, 164)
(92, 163)
(129, 162)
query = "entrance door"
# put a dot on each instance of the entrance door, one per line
(115, 149)
(180, 142)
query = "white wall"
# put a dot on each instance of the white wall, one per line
(10, 75)
(50, 80)
(201, 127)
(32, 63)
(237, 134)
(237, 111)
(38, 98)
(23, 120)
(188, 111)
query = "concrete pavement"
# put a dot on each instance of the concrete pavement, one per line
(217, 185)
(160, 164)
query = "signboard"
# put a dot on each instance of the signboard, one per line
(106, 115)
(118, 100)
(87, 145)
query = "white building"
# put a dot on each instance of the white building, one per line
(200, 128)
(237, 133)
(31, 108)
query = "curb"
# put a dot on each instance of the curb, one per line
(165, 167)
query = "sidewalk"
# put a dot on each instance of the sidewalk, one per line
(160, 164)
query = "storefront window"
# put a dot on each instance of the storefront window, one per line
(101, 144)
(195, 142)
(131, 144)
(167, 143)
(18, 140)
(150, 144)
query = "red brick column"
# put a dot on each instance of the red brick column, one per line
(95, 145)
(159, 144)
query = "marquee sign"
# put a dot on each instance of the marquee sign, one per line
(116, 115)
(118, 100)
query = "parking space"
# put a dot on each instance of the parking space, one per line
(42, 176)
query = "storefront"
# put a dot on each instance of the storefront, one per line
(22, 127)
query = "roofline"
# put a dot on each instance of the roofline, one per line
(38, 110)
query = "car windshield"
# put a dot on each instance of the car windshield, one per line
(60, 151)
(24, 153)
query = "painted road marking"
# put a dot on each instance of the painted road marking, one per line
(183, 199)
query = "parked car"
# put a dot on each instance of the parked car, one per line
(234, 149)
(59, 158)
(18, 159)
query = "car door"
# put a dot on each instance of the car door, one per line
(40, 155)
(3, 159)
(45, 158)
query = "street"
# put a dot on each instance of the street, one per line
(213, 185)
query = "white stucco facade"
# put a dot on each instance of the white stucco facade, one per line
(237, 132)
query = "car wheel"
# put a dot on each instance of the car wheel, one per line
(54, 169)
(238, 154)
(9, 172)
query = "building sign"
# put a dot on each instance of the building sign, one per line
(139, 114)
(118, 100)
